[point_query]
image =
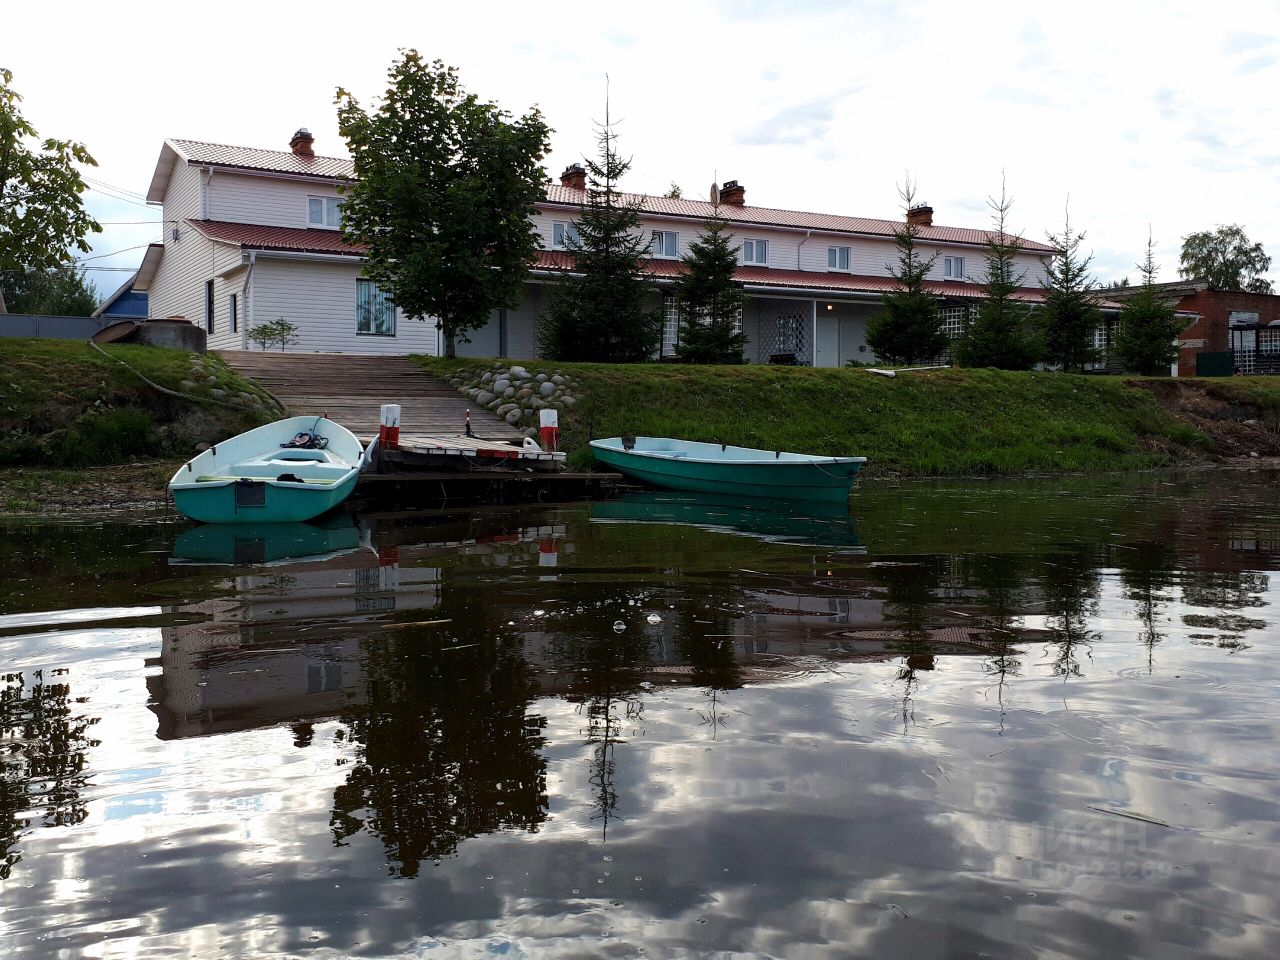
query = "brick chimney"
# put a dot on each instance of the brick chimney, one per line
(574, 177)
(921, 215)
(301, 143)
(733, 193)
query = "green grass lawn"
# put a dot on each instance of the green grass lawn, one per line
(64, 404)
(945, 422)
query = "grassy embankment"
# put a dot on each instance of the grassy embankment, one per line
(65, 407)
(936, 423)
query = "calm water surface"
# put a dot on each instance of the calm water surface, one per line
(1031, 720)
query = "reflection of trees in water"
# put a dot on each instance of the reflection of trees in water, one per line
(1071, 589)
(444, 748)
(999, 581)
(43, 745)
(1147, 570)
(1225, 589)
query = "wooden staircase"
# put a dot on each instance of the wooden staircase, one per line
(351, 390)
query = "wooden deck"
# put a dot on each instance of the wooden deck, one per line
(351, 390)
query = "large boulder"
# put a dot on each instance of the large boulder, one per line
(501, 385)
(519, 373)
(546, 389)
(483, 397)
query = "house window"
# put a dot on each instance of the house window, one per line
(564, 235)
(670, 326)
(375, 313)
(233, 313)
(837, 258)
(325, 212)
(954, 321)
(755, 251)
(953, 268)
(665, 243)
(208, 306)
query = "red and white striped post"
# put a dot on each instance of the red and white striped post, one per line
(389, 426)
(549, 429)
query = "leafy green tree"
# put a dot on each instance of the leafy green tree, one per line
(279, 331)
(1225, 257)
(600, 312)
(909, 328)
(1070, 315)
(999, 336)
(710, 300)
(41, 213)
(445, 185)
(1146, 341)
(59, 292)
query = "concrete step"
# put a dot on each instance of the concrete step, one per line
(352, 389)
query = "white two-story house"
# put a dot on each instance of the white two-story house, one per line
(252, 235)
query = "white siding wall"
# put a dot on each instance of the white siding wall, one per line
(269, 201)
(320, 299)
(790, 250)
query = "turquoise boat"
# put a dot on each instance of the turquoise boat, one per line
(736, 471)
(290, 470)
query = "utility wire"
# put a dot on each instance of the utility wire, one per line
(109, 186)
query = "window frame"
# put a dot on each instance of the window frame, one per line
(563, 227)
(375, 291)
(756, 245)
(948, 265)
(208, 307)
(654, 234)
(834, 252)
(324, 201)
(233, 313)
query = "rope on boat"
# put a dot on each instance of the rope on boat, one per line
(188, 396)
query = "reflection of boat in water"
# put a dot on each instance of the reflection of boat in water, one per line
(778, 521)
(243, 544)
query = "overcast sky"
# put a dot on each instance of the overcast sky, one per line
(1160, 114)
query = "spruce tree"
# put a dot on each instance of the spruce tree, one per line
(709, 300)
(1070, 316)
(1147, 338)
(909, 328)
(601, 311)
(998, 336)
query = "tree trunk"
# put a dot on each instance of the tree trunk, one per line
(3, 308)
(450, 346)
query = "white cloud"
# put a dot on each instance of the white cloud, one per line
(1124, 107)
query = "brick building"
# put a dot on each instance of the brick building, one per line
(1245, 325)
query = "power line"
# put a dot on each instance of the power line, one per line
(110, 186)
(100, 256)
(122, 199)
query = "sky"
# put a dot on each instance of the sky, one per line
(1133, 116)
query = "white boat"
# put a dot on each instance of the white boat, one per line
(293, 469)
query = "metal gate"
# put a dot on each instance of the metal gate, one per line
(784, 334)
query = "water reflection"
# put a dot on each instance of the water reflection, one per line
(1027, 719)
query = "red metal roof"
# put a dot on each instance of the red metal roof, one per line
(833, 283)
(771, 217)
(255, 237)
(274, 161)
(342, 168)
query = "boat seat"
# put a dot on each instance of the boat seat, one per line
(213, 479)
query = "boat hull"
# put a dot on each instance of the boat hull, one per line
(828, 480)
(257, 477)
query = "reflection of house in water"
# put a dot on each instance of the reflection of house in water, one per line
(283, 647)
